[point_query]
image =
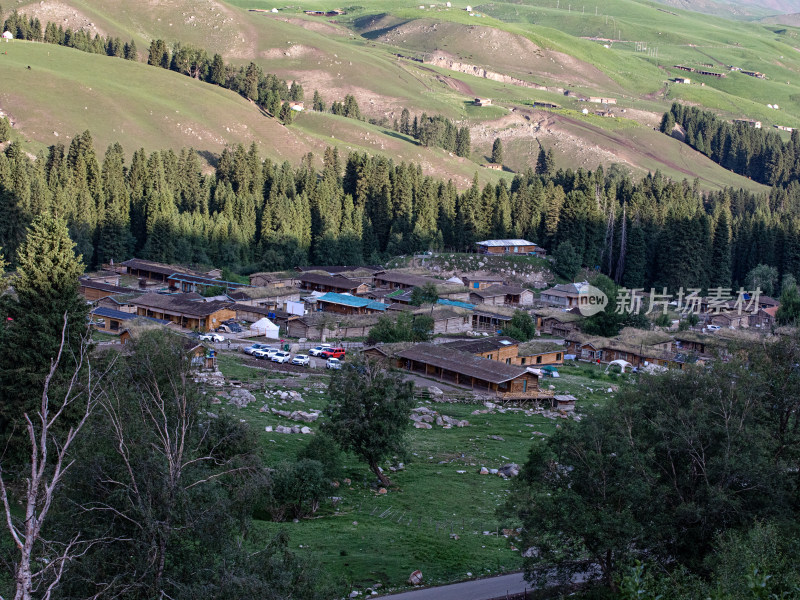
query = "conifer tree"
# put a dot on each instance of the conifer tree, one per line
(46, 293)
(497, 152)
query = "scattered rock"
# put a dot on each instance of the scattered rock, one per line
(268, 429)
(382, 491)
(420, 425)
(435, 391)
(496, 437)
(415, 578)
(454, 536)
(305, 430)
(484, 471)
(240, 398)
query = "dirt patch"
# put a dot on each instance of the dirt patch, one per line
(334, 86)
(291, 51)
(62, 14)
(455, 84)
(317, 26)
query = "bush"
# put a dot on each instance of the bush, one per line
(295, 489)
(323, 449)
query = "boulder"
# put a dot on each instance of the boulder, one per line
(305, 430)
(283, 429)
(509, 470)
(305, 417)
(462, 424)
(268, 429)
(420, 425)
(435, 391)
(496, 437)
(295, 396)
(484, 471)
(264, 408)
(382, 491)
(440, 421)
(282, 413)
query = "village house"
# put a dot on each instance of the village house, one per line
(539, 354)
(753, 124)
(515, 246)
(684, 80)
(325, 326)
(481, 282)
(93, 290)
(500, 348)
(273, 279)
(564, 295)
(320, 282)
(483, 101)
(115, 322)
(492, 166)
(731, 318)
(185, 283)
(491, 318)
(764, 318)
(598, 100)
(639, 348)
(184, 312)
(275, 298)
(447, 318)
(405, 281)
(154, 271)
(507, 295)
(346, 304)
(557, 322)
(121, 302)
(506, 382)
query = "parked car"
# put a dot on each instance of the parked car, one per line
(318, 350)
(713, 327)
(333, 352)
(265, 353)
(230, 327)
(271, 352)
(281, 357)
(252, 349)
(302, 360)
(212, 337)
(333, 363)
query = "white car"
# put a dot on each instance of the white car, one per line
(254, 348)
(713, 327)
(318, 350)
(264, 353)
(302, 360)
(281, 357)
(212, 337)
(333, 363)
(271, 352)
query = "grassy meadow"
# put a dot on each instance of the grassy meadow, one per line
(369, 538)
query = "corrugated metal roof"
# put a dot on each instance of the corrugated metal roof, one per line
(354, 301)
(463, 363)
(110, 313)
(505, 243)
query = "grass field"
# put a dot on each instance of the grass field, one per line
(373, 539)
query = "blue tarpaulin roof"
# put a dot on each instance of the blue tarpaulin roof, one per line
(446, 302)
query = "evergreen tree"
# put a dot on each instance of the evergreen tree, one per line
(720, 267)
(46, 294)
(497, 152)
(318, 103)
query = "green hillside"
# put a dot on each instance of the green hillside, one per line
(393, 55)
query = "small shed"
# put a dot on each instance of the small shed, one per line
(266, 328)
(7, 35)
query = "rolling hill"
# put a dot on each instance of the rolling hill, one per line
(392, 55)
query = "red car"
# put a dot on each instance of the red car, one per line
(334, 352)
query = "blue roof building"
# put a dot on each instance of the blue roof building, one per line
(346, 304)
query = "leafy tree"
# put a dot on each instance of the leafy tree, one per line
(407, 327)
(323, 448)
(522, 327)
(567, 260)
(159, 54)
(497, 152)
(764, 278)
(789, 309)
(424, 294)
(296, 489)
(368, 412)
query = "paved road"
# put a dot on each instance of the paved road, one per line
(478, 589)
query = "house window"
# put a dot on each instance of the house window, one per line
(523, 361)
(538, 360)
(558, 356)
(489, 357)
(524, 385)
(508, 361)
(476, 285)
(114, 325)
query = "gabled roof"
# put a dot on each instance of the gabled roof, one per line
(177, 303)
(329, 280)
(103, 287)
(156, 267)
(499, 290)
(336, 269)
(456, 303)
(463, 363)
(516, 242)
(482, 345)
(354, 301)
(406, 278)
(110, 313)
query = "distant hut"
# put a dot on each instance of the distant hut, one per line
(7, 35)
